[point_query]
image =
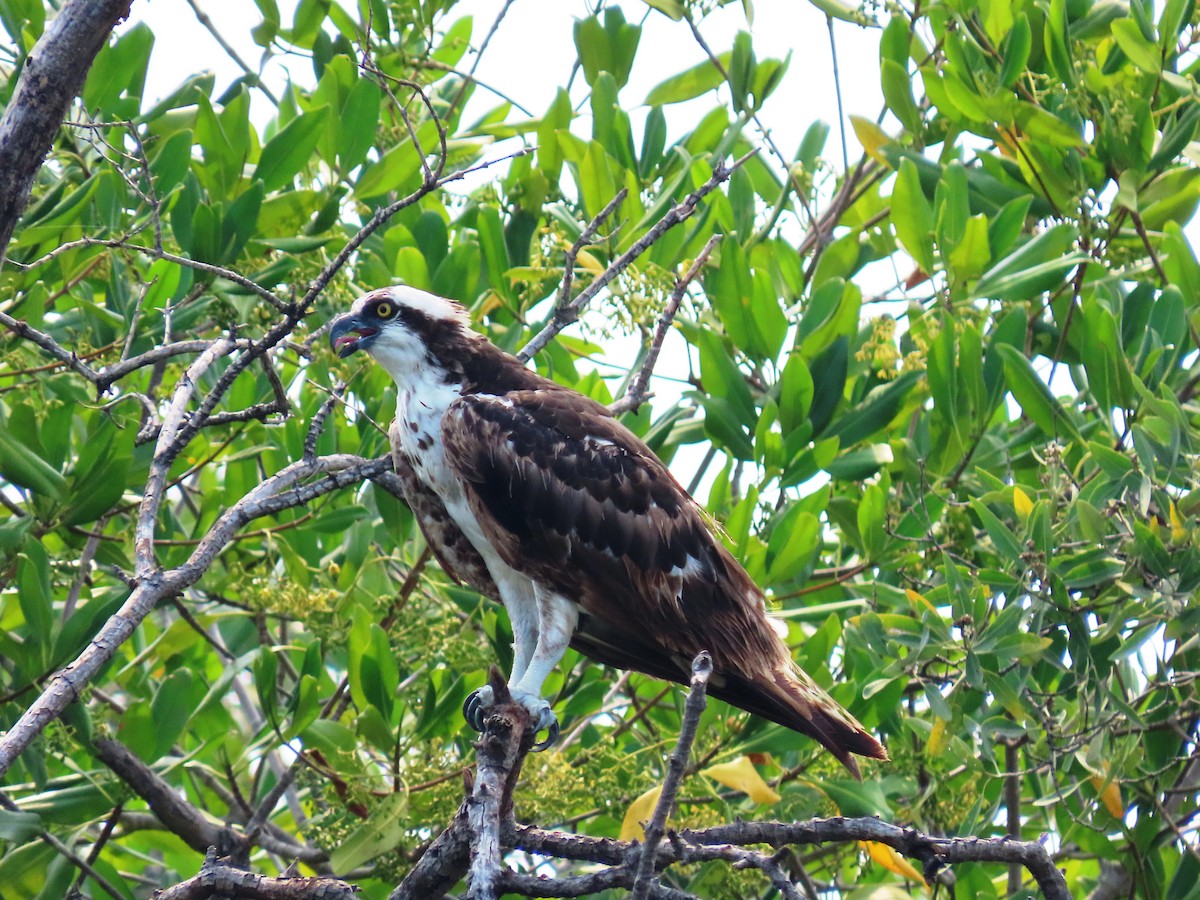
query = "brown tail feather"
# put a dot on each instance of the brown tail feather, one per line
(796, 702)
(792, 700)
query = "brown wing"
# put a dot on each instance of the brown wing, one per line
(457, 557)
(574, 500)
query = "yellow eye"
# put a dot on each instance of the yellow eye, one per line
(384, 310)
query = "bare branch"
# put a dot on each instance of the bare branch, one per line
(506, 738)
(217, 879)
(442, 864)
(85, 867)
(281, 491)
(701, 670)
(318, 421)
(47, 343)
(53, 73)
(565, 314)
(585, 238)
(173, 423)
(158, 253)
(203, 19)
(636, 394)
(176, 813)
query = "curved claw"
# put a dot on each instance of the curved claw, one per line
(479, 701)
(550, 738)
(475, 705)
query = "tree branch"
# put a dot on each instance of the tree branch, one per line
(701, 670)
(566, 313)
(52, 76)
(636, 394)
(217, 879)
(279, 492)
(501, 749)
(168, 805)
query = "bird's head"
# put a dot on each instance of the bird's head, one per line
(403, 328)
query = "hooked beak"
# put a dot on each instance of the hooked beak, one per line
(348, 333)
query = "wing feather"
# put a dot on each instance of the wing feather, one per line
(574, 500)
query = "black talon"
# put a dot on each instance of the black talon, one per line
(551, 737)
(473, 710)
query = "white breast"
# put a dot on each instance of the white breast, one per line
(419, 414)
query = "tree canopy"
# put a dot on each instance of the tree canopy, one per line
(941, 398)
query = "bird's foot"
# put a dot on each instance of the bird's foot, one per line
(479, 701)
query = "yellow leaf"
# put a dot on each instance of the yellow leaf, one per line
(937, 738)
(1110, 795)
(872, 137)
(914, 598)
(741, 775)
(640, 810)
(891, 860)
(1022, 504)
(589, 262)
(1178, 531)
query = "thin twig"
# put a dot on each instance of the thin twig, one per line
(701, 670)
(565, 314)
(203, 19)
(636, 394)
(585, 238)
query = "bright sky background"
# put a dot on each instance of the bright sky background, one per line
(532, 53)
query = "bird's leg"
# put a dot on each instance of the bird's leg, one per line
(557, 618)
(522, 606)
(523, 616)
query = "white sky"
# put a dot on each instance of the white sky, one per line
(543, 28)
(531, 55)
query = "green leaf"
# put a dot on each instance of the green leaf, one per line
(1141, 52)
(1034, 396)
(872, 510)
(609, 47)
(172, 708)
(397, 168)
(23, 466)
(35, 593)
(912, 216)
(876, 410)
(689, 84)
(795, 538)
(795, 393)
(1003, 538)
(1037, 266)
(290, 150)
(897, 92)
(18, 827)
(972, 254)
(1016, 51)
(357, 125)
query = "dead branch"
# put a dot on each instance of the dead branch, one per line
(637, 394)
(566, 313)
(701, 670)
(217, 879)
(281, 491)
(53, 74)
(501, 749)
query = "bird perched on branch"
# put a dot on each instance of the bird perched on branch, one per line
(537, 496)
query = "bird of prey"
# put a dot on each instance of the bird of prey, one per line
(535, 495)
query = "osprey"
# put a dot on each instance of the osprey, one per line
(536, 496)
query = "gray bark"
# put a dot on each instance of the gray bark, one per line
(52, 76)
